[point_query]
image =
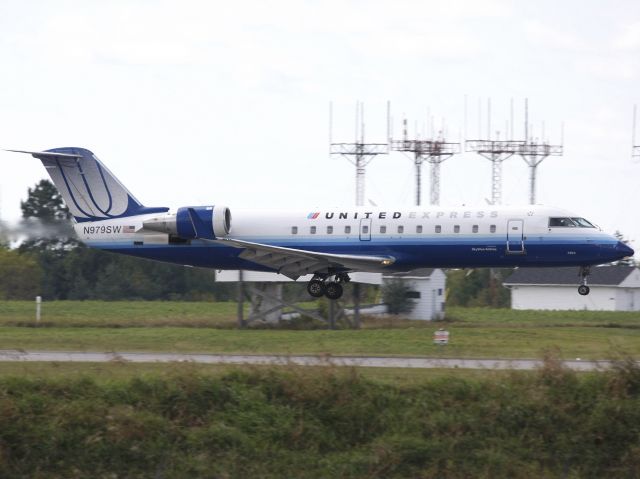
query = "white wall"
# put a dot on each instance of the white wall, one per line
(628, 299)
(603, 298)
(432, 295)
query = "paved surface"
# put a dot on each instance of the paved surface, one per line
(361, 361)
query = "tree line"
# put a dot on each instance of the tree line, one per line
(57, 267)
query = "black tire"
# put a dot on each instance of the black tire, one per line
(583, 289)
(333, 290)
(316, 288)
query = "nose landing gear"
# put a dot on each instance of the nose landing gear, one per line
(321, 286)
(583, 289)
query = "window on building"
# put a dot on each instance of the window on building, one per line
(438, 229)
(419, 229)
(347, 229)
(474, 228)
(383, 229)
(294, 230)
(400, 229)
(412, 294)
(492, 228)
(439, 291)
(329, 230)
(312, 230)
(456, 229)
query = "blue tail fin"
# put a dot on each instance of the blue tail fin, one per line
(89, 189)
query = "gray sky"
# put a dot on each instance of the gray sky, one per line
(211, 102)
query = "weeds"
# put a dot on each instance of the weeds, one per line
(324, 422)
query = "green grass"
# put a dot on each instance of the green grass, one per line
(111, 314)
(116, 371)
(484, 317)
(210, 328)
(586, 343)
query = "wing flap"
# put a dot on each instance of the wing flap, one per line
(294, 263)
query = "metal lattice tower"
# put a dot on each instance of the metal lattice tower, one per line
(495, 151)
(434, 152)
(358, 153)
(533, 153)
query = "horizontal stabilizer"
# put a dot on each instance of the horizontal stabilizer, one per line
(46, 154)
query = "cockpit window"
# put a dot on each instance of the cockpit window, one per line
(583, 223)
(561, 222)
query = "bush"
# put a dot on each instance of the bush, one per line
(395, 294)
(323, 422)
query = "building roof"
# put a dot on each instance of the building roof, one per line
(603, 276)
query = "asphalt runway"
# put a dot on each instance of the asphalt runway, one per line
(357, 361)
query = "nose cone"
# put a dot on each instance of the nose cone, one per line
(623, 250)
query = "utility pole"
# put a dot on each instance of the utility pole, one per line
(358, 153)
(434, 152)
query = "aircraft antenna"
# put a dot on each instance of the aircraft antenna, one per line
(360, 153)
(434, 151)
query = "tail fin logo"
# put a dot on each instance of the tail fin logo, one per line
(89, 189)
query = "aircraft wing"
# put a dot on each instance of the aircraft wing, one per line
(294, 263)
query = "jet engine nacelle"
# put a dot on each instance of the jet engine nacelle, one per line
(191, 222)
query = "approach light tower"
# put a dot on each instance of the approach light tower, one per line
(533, 153)
(434, 152)
(358, 153)
(496, 152)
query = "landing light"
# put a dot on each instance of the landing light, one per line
(387, 262)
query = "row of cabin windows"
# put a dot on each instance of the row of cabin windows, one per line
(383, 229)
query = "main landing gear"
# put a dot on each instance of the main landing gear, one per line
(583, 289)
(320, 285)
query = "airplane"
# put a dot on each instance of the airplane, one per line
(328, 243)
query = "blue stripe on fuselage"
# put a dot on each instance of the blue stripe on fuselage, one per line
(410, 252)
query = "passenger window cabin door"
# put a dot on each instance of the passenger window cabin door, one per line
(515, 237)
(365, 229)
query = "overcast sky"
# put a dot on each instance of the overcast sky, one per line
(211, 102)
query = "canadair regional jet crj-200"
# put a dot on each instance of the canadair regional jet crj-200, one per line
(327, 243)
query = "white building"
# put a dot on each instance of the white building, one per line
(613, 288)
(427, 291)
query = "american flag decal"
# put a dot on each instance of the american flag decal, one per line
(128, 229)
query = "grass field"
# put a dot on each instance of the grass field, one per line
(123, 419)
(210, 328)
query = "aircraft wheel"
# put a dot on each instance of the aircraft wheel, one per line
(316, 288)
(583, 289)
(333, 290)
